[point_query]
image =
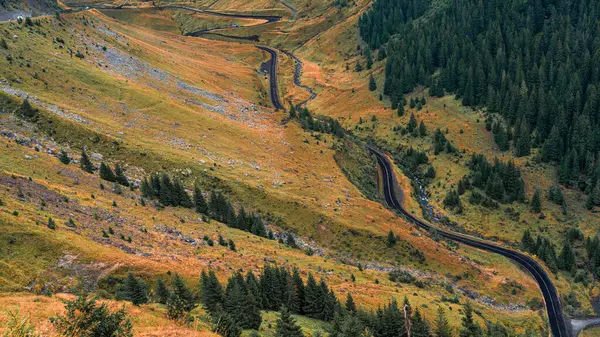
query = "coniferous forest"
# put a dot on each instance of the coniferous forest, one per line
(535, 63)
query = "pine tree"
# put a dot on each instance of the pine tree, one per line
(199, 201)
(181, 296)
(51, 224)
(225, 325)
(350, 305)
(400, 110)
(134, 290)
(313, 298)
(211, 291)
(442, 327)
(469, 327)
(286, 325)
(161, 291)
(536, 201)
(420, 326)
(298, 293)
(106, 173)
(358, 67)
(231, 245)
(120, 176)
(412, 123)
(391, 239)
(422, 129)
(27, 110)
(372, 83)
(64, 157)
(85, 162)
(523, 142)
(240, 304)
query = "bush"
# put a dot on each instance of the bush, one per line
(401, 276)
(19, 326)
(84, 318)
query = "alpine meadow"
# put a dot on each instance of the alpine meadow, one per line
(300, 168)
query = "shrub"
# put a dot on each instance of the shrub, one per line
(19, 326)
(85, 318)
(401, 276)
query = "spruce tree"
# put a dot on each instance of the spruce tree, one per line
(358, 67)
(400, 111)
(225, 325)
(51, 224)
(85, 162)
(422, 129)
(286, 325)
(372, 83)
(199, 201)
(181, 296)
(161, 291)
(120, 176)
(240, 304)
(211, 291)
(391, 239)
(313, 298)
(442, 327)
(298, 293)
(469, 328)
(134, 290)
(106, 173)
(420, 326)
(350, 305)
(63, 156)
(412, 123)
(536, 201)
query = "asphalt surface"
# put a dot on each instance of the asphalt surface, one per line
(273, 89)
(559, 325)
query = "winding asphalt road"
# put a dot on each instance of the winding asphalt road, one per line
(558, 323)
(273, 89)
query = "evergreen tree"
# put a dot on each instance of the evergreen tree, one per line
(85, 162)
(225, 325)
(391, 239)
(422, 129)
(64, 157)
(536, 201)
(358, 67)
(26, 110)
(350, 305)
(51, 224)
(400, 110)
(412, 123)
(286, 325)
(313, 298)
(567, 257)
(106, 173)
(181, 301)
(161, 291)
(469, 327)
(134, 290)
(420, 326)
(298, 293)
(523, 142)
(372, 83)
(442, 327)
(120, 176)
(199, 201)
(240, 303)
(211, 291)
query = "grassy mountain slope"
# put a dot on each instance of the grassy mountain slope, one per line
(131, 88)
